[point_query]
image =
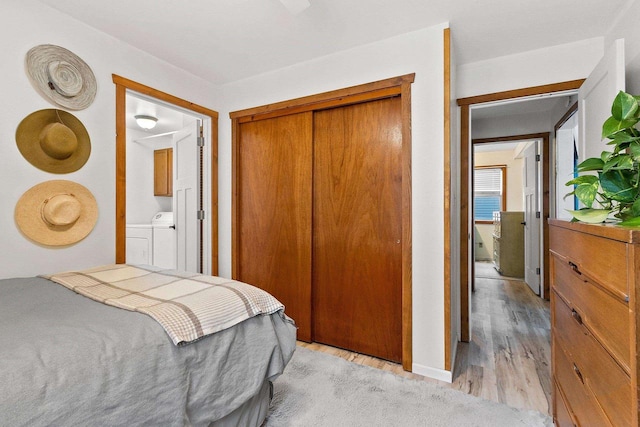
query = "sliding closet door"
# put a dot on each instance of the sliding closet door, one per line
(273, 211)
(357, 228)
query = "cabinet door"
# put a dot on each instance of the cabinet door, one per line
(273, 212)
(357, 228)
(163, 172)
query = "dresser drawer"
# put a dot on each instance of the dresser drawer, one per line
(592, 365)
(561, 414)
(606, 317)
(579, 399)
(603, 260)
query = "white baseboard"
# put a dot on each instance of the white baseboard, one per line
(437, 374)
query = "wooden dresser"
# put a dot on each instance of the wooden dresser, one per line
(595, 275)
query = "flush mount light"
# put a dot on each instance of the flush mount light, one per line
(146, 122)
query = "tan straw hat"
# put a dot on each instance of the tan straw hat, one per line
(61, 76)
(54, 141)
(56, 213)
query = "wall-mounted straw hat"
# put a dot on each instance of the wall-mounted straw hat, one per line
(56, 213)
(61, 76)
(54, 141)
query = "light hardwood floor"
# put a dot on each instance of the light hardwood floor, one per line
(508, 357)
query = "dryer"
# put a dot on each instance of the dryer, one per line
(164, 240)
(139, 244)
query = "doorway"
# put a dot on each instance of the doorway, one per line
(205, 222)
(466, 237)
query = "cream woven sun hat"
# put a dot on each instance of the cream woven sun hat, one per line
(56, 213)
(54, 141)
(61, 76)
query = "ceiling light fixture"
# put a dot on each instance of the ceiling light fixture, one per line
(146, 122)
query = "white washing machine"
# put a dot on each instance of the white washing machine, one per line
(139, 244)
(164, 240)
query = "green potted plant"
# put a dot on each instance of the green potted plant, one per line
(613, 192)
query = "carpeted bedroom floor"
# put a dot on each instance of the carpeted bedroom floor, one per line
(318, 389)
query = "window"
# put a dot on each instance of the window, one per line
(489, 191)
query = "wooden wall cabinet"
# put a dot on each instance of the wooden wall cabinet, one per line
(508, 243)
(163, 172)
(595, 275)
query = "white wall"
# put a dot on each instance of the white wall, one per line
(141, 203)
(515, 124)
(627, 27)
(533, 68)
(419, 52)
(25, 24)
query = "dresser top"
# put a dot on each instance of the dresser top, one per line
(606, 230)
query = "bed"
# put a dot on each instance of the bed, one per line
(67, 360)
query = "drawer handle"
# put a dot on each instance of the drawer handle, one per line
(575, 268)
(578, 373)
(576, 316)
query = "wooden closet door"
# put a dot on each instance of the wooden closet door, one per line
(274, 191)
(357, 224)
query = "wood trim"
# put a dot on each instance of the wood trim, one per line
(397, 86)
(350, 95)
(340, 102)
(465, 137)
(122, 85)
(235, 203)
(213, 192)
(570, 112)
(447, 200)
(546, 255)
(407, 245)
(519, 93)
(163, 96)
(509, 138)
(121, 175)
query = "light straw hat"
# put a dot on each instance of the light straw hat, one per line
(54, 141)
(56, 213)
(61, 76)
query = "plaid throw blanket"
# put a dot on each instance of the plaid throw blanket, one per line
(187, 305)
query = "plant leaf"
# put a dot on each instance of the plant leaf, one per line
(634, 149)
(624, 106)
(591, 164)
(625, 162)
(586, 193)
(592, 216)
(635, 208)
(624, 136)
(631, 222)
(583, 179)
(616, 185)
(605, 156)
(612, 125)
(610, 164)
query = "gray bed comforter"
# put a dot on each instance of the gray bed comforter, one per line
(66, 360)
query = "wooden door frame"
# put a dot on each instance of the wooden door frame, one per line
(122, 85)
(395, 86)
(465, 105)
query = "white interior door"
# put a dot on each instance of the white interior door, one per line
(186, 197)
(595, 98)
(531, 219)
